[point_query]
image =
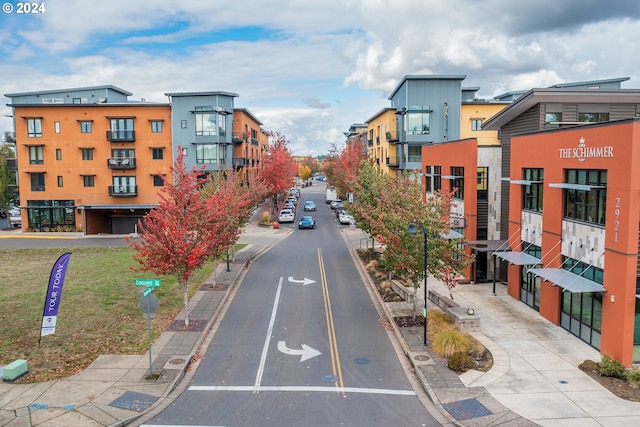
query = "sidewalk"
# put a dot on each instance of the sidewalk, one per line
(534, 380)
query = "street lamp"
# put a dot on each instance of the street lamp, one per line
(412, 230)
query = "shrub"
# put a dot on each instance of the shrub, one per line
(437, 319)
(589, 366)
(449, 340)
(612, 368)
(266, 217)
(460, 362)
(634, 377)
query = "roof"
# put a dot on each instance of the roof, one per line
(592, 82)
(250, 114)
(75, 89)
(379, 113)
(560, 95)
(426, 77)
(204, 93)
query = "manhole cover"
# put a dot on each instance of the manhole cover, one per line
(194, 326)
(176, 361)
(466, 409)
(422, 357)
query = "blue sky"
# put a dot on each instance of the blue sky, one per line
(311, 69)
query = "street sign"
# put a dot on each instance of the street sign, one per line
(149, 304)
(150, 283)
(147, 291)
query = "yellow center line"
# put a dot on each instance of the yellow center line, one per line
(331, 332)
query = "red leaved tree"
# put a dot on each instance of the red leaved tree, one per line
(278, 167)
(179, 235)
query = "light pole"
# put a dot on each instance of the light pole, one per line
(412, 230)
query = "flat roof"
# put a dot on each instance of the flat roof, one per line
(75, 89)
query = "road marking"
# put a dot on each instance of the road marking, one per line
(263, 358)
(306, 352)
(331, 332)
(304, 281)
(304, 389)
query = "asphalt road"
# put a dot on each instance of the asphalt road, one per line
(300, 344)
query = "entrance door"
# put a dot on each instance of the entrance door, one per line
(529, 288)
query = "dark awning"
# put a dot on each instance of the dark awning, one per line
(487, 245)
(567, 280)
(518, 258)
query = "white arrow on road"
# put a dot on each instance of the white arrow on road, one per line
(304, 281)
(306, 352)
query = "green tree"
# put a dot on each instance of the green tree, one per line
(7, 177)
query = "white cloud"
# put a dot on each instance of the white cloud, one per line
(311, 69)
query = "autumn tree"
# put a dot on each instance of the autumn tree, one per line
(341, 166)
(183, 231)
(387, 205)
(304, 172)
(278, 167)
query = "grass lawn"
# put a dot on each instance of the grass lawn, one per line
(98, 312)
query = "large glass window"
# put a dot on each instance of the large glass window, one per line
(587, 202)
(457, 182)
(418, 121)
(482, 183)
(532, 193)
(209, 122)
(122, 129)
(34, 128)
(415, 153)
(437, 178)
(208, 153)
(36, 155)
(49, 214)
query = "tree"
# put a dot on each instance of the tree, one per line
(179, 235)
(304, 172)
(341, 166)
(278, 168)
(7, 177)
(387, 205)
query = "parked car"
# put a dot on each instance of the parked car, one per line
(309, 205)
(286, 215)
(307, 221)
(336, 204)
(346, 218)
(293, 200)
(3, 214)
(15, 217)
(289, 205)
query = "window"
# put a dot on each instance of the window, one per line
(77, 101)
(56, 127)
(122, 129)
(156, 126)
(586, 204)
(476, 124)
(157, 153)
(457, 182)
(209, 122)
(50, 214)
(86, 126)
(124, 185)
(34, 128)
(482, 182)
(418, 122)
(37, 181)
(532, 194)
(87, 154)
(552, 120)
(88, 180)
(207, 153)
(58, 153)
(158, 181)
(36, 155)
(415, 153)
(60, 181)
(123, 153)
(593, 117)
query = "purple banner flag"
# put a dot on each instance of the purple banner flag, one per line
(54, 294)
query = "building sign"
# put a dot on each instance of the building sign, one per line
(582, 152)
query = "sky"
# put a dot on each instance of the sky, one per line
(311, 69)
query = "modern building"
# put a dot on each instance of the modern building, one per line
(88, 158)
(382, 140)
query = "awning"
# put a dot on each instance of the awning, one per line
(567, 280)
(487, 245)
(518, 258)
(102, 207)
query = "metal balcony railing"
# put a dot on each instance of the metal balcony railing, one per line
(121, 135)
(123, 190)
(393, 136)
(121, 163)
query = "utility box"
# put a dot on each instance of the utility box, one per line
(14, 370)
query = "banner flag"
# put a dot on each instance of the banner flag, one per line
(54, 294)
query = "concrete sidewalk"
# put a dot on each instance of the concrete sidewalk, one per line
(534, 379)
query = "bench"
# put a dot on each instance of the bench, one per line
(459, 315)
(14, 370)
(407, 293)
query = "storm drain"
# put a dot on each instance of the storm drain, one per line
(134, 401)
(466, 409)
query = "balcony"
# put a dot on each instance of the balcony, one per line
(123, 190)
(393, 136)
(370, 142)
(393, 162)
(239, 137)
(121, 135)
(377, 140)
(121, 163)
(239, 162)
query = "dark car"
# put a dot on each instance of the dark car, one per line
(307, 221)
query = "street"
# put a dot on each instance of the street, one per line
(300, 344)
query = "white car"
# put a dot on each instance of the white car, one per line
(15, 217)
(286, 215)
(346, 218)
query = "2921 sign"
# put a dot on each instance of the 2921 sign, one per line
(30, 8)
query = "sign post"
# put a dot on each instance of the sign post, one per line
(148, 304)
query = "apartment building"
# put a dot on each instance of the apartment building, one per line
(249, 143)
(382, 140)
(88, 158)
